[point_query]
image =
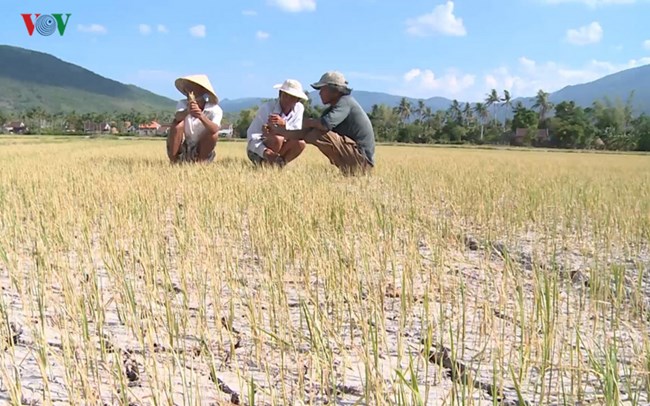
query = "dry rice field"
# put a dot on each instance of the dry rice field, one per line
(447, 277)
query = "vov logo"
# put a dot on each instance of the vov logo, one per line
(46, 24)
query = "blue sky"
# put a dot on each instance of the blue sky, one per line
(418, 48)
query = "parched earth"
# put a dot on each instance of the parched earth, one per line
(296, 358)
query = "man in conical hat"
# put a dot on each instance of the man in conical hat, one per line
(194, 132)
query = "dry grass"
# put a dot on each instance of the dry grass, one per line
(449, 276)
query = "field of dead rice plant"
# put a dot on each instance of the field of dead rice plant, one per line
(448, 276)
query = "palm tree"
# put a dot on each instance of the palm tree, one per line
(437, 120)
(455, 112)
(507, 103)
(383, 118)
(421, 110)
(543, 104)
(37, 117)
(71, 121)
(311, 111)
(467, 114)
(518, 107)
(427, 115)
(493, 99)
(481, 111)
(403, 110)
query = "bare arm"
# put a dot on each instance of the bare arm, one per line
(180, 116)
(313, 123)
(209, 125)
(181, 112)
(307, 125)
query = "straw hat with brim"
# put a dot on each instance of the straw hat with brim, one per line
(201, 80)
(335, 79)
(293, 88)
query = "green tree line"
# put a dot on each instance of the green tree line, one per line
(39, 121)
(496, 120)
(603, 125)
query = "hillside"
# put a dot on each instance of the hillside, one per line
(616, 86)
(365, 99)
(35, 79)
(67, 87)
(368, 99)
(237, 105)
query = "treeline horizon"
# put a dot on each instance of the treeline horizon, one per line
(603, 125)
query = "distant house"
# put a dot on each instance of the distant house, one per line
(148, 128)
(69, 127)
(226, 132)
(94, 128)
(163, 130)
(521, 134)
(15, 127)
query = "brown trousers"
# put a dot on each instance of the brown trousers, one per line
(341, 150)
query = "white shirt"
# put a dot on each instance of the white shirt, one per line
(193, 126)
(254, 133)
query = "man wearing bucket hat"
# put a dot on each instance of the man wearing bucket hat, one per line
(284, 112)
(194, 132)
(344, 133)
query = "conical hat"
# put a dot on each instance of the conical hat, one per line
(201, 80)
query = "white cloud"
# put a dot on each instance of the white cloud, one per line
(249, 13)
(261, 35)
(491, 81)
(92, 28)
(522, 79)
(529, 76)
(585, 35)
(412, 74)
(418, 82)
(145, 29)
(198, 31)
(528, 64)
(646, 44)
(294, 6)
(440, 21)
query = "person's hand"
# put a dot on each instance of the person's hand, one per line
(272, 130)
(275, 119)
(270, 155)
(195, 110)
(311, 123)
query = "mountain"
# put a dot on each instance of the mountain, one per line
(365, 99)
(237, 105)
(35, 79)
(616, 86)
(368, 99)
